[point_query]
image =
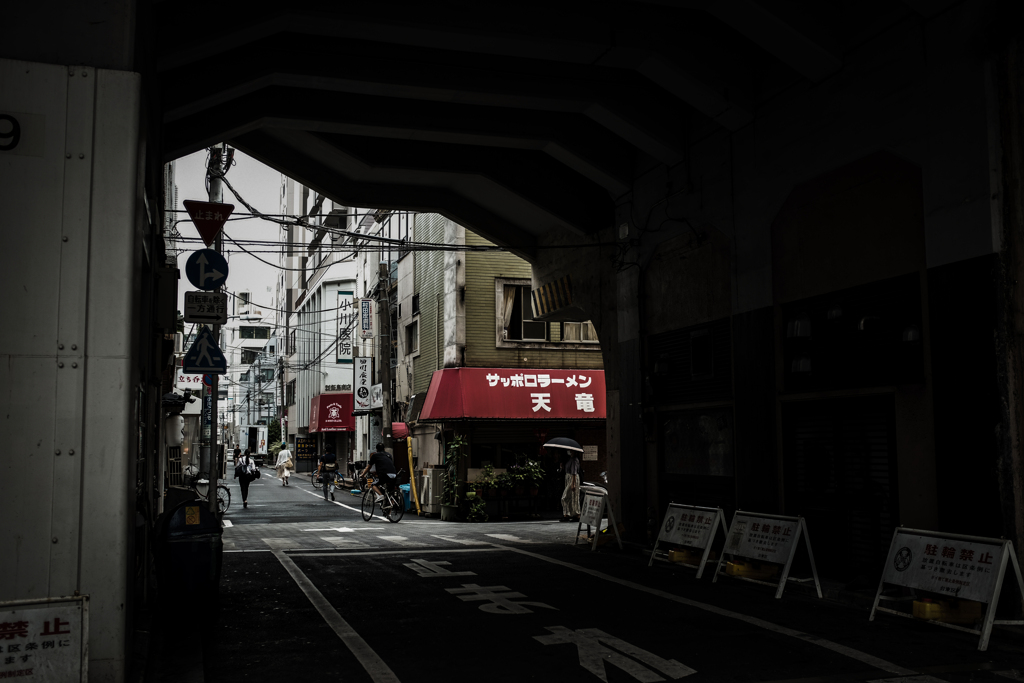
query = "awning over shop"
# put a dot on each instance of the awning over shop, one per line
(331, 413)
(514, 394)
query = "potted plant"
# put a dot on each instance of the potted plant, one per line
(485, 481)
(477, 511)
(450, 480)
(534, 475)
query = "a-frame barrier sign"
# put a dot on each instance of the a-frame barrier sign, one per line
(961, 567)
(767, 538)
(690, 526)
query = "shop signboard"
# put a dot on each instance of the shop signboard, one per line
(596, 507)
(510, 394)
(590, 453)
(45, 640)
(346, 325)
(366, 318)
(955, 565)
(692, 527)
(767, 538)
(305, 447)
(331, 413)
(363, 378)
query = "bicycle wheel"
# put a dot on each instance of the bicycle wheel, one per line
(397, 509)
(313, 480)
(368, 505)
(223, 499)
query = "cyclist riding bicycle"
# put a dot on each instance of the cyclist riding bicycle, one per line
(381, 460)
(327, 467)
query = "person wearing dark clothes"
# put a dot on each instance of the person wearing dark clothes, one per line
(246, 474)
(381, 460)
(327, 467)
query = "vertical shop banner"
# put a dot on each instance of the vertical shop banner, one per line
(366, 318)
(346, 325)
(362, 382)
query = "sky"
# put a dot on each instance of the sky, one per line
(260, 185)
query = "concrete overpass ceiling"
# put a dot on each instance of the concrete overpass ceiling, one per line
(527, 118)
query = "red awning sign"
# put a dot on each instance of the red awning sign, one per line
(331, 413)
(208, 217)
(515, 394)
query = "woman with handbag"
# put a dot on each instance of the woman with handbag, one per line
(245, 472)
(284, 464)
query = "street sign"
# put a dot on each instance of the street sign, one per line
(205, 357)
(595, 508)
(768, 538)
(958, 566)
(206, 307)
(208, 380)
(363, 374)
(690, 526)
(208, 217)
(206, 269)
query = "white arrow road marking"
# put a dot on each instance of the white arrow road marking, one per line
(402, 540)
(510, 537)
(594, 648)
(499, 599)
(463, 541)
(429, 569)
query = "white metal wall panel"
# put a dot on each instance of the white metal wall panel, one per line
(32, 175)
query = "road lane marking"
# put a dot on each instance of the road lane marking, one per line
(282, 543)
(342, 542)
(594, 648)
(909, 679)
(374, 665)
(428, 569)
(410, 551)
(864, 657)
(341, 529)
(510, 537)
(320, 495)
(463, 541)
(402, 540)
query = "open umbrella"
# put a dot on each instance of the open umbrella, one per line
(564, 443)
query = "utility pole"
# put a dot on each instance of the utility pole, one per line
(214, 172)
(384, 314)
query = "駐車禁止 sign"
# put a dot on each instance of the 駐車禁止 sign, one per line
(45, 640)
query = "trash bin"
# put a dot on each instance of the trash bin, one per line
(189, 547)
(406, 495)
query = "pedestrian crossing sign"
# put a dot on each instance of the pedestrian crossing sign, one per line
(205, 356)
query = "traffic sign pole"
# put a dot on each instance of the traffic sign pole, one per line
(216, 195)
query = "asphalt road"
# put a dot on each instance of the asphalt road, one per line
(311, 591)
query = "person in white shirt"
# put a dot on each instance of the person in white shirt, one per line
(284, 464)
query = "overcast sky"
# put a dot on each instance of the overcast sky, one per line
(260, 185)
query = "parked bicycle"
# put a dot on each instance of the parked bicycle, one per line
(392, 505)
(199, 482)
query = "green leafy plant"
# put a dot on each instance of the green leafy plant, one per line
(450, 484)
(477, 511)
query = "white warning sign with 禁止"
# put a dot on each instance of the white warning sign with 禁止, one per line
(594, 510)
(689, 526)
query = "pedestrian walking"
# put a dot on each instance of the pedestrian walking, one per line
(284, 464)
(328, 467)
(245, 472)
(571, 494)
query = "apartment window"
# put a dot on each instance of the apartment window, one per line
(289, 393)
(249, 356)
(415, 304)
(244, 377)
(518, 316)
(268, 374)
(253, 332)
(412, 338)
(241, 302)
(579, 332)
(291, 343)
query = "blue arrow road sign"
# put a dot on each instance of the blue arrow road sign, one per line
(205, 357)
(206, 269)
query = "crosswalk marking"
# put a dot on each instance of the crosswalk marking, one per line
(509, 537)
(402, 540)
(282, 543)
(343, 542)
(463, 541)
